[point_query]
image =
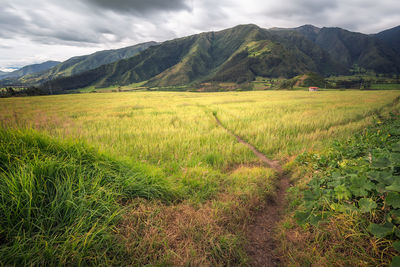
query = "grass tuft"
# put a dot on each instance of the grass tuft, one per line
(59, 201)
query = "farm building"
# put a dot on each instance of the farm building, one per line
(313, 89)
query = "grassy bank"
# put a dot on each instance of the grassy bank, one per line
(60, 201)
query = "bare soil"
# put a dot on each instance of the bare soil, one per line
(261, 247)
(262, 244)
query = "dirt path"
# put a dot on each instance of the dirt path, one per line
(260, 235)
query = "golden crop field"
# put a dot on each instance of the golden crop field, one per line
(203, 182)
(179, 129)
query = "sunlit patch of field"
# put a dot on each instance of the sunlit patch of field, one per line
(281, 124)
(177, 129)
(212, 182)
(165, 129)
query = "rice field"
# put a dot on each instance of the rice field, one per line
(282, 124)
(179, 129)
(191, 186)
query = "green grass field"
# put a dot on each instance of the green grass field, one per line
(387, 86)
(159, 177)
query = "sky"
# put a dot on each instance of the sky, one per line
(34, 31)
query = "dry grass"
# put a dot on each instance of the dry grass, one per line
(205, 234)
(177, 235)
(339, 242)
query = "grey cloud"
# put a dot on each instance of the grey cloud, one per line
(10, 22)
(8, 18)
(301, 8)
(64, 38)
(86, 22)
(52, 26)
(138, 6)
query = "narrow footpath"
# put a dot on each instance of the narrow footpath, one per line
(261, 242)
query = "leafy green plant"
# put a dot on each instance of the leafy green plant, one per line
(360, 176)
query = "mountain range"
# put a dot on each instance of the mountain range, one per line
(75, 65)
(238, 54)
(29, 69)
(375, 53)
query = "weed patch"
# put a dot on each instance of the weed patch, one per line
(351, 204)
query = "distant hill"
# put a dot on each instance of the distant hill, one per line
(240, 54)
(391, 38)
(350, 48)
(29, 69)
(3, 73)
(80, 64)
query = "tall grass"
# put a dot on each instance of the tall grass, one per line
(283, 124)
(177, 130)
(59, 202)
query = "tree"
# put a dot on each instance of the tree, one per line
(10, 91)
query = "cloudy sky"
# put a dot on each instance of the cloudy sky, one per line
(33, 31)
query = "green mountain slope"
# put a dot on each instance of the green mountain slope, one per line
(3, 74)
(29, 69)
(80, 64)
(391, 38)
(352, 48)
(238, 54)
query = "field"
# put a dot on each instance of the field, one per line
(194, 187)
(388, 86)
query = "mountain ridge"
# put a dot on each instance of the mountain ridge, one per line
(355, 48)
(78, 64)
(240, 54)
(390, 37)
(29, 69)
